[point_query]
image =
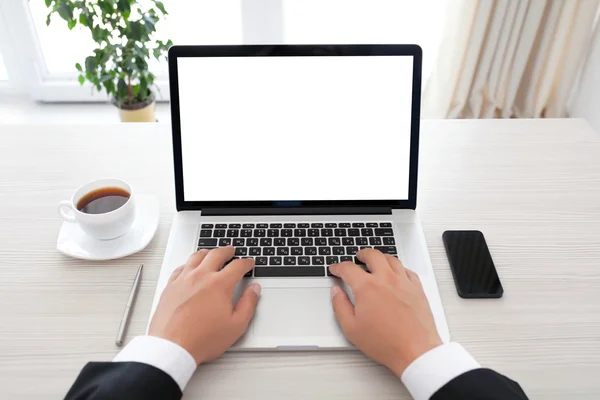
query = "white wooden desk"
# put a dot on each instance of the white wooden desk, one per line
(532, 187)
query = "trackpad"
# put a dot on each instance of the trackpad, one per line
(295, 312)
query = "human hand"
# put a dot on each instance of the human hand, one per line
(391, 322)
(196, 309)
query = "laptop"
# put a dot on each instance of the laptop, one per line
(299, 156)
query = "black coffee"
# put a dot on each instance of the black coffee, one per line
(103, 200)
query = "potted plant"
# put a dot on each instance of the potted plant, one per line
(124, 33)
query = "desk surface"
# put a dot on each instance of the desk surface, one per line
(532, 187)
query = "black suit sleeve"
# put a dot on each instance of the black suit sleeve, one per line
(480, 384)
(123, 380)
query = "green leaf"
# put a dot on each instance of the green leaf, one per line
(84, 19)
(49, 3)
(48, 19)
(81, 79)
(161, 7)
(90, 65)
(124, 8)
(71, 24)
(121, 91)
(78, 67)
(65, 12)
(136, 31)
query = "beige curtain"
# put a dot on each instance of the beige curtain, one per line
(509, 58)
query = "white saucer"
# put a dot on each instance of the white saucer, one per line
(73, 242)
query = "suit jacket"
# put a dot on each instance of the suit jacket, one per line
(131, 380)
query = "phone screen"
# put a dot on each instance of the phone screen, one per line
(472, 266)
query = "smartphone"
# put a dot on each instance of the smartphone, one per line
(472, 266)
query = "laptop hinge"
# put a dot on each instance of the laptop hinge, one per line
(297, 211)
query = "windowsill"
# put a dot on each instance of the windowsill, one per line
(16, 109)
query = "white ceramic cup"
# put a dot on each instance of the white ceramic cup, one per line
(104, 226)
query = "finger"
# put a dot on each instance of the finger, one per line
(235, 270)
(175, 274)
(246, 306)
(395, 264)
(216, 258)
(343, 309)
(350, 273)
(195, 259)
(375, 261)
(413, 277)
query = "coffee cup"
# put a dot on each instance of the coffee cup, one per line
(104, 209)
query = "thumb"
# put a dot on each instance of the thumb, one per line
(343, 309)
(246, 305)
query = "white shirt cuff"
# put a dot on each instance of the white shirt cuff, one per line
(163, 354)
(432, 370)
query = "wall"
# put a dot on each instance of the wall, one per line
(586, 102)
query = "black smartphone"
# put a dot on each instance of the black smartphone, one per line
(472, 266)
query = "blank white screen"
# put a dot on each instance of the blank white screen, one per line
(295, 128)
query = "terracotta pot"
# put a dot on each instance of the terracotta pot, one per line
(145, 114)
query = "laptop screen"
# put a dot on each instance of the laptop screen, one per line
(295, 128)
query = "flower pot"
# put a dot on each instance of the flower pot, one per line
(144, 114)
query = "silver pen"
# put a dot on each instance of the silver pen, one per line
(127, 312)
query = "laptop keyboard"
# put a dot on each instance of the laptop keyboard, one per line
(298, 249)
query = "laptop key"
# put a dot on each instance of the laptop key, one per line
(324, 251)
(225, 242)
(296, 251)
(372, 225)
(235, 226)
(273, 232)
(351, 250)
(346, 258)
(353, 232)
(293, 242)
(275, 261)
(303, 225)
(246, 233)
(361, 241)
(241, 251)
(304, 260)
(268, 251)
(289, 271)
(310, 251)
(386, 224)
(275, 226)
(338, 251)
(283, 251)
(262, 226)
(384, 232)
(357, 261)
(289, 260)
(326, 232)
(389, 241)
(318, 260)
(330, 260)
(358, 225)
(219, 233)
(205, 233)
(334, 241)
(261, 261)
(207, 242)
(248, 226)
(366, 232)
(264, 242)
(260, 232)
(316, 225)
(233, 233)
(207, 226)
(344, 225)
(307, 241)
(375, 241)
(313, 232)
(365, 247)
(348, 241)
(289, 225)
(238, 242)
(331, 225)
(252, 242)
(221, 226)
(320, 242)
(255, 251)
(299, 232)
(340, 232)
(287, 233)
(386, 249)
(279, 242)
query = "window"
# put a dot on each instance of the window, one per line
(42, 58)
